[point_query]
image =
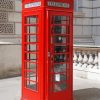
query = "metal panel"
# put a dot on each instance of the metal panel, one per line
(60, 61)
(54, 54)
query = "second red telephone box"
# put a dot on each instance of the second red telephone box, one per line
(47, 50)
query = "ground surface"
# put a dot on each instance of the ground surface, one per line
(10, 89)
(86, 89)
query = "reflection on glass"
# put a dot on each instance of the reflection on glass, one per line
(60, 77)
(31, 38)
(31, 75)
(31, 66)
(59, 49)
(59, 68)
(60, 86)
(59, 39)
(59, 29)
(31, 57)
(31, 20)
(31, 47)
(60, 58)
(32, 29)
(31, 85)
(59, 19)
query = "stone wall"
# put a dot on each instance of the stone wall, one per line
(10, 38)
(86, 62)
(10, 21)
(86, 29)
(96, 21)
(83, 23)
(87, 26)
(10, 60)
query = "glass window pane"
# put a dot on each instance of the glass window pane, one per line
(31, 20)
(31, 57)
(31, 38)
(59, 29)
(31, 66)
(59, 19)
(59, 49)
(59, 68)
(31, 85)
(31, 47)
(60, 58)
(31, 75)
(59, 77)
(60, 86)
(31, 29)
(59, 39)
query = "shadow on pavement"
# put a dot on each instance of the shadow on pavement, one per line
(87, 94)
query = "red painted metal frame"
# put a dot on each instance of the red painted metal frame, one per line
(44, 14)
(68, 94)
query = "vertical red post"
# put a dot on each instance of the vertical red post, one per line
(47, 50)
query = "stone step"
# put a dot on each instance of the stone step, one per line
(84, 40)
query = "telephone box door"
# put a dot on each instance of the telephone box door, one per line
(60, 55)
(32, 72)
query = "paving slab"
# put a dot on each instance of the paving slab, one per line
(87, 94)
(10, 89)
(84, 89)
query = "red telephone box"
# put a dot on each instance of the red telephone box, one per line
(47, 50)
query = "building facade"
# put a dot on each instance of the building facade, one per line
(86, 30)
(87, 22)
(86, 60)
(10, 37)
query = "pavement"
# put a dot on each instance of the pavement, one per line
(85, 89)
(10, 89)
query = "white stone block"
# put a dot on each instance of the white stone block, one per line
(78, 21)
(87, 31)
(11, 17)
(17, 17)
(97, 39)
(14, 17)
(77, 30)
(18, 28)
(86, 3)
(94, 30)
(87, 21)
(10, 56)
(88, 12)
(98, 31)
(18, 6)
(96, 21)
(98, 12)
(16, 40)
(99, 60)
(96, 3)
(94, 12)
